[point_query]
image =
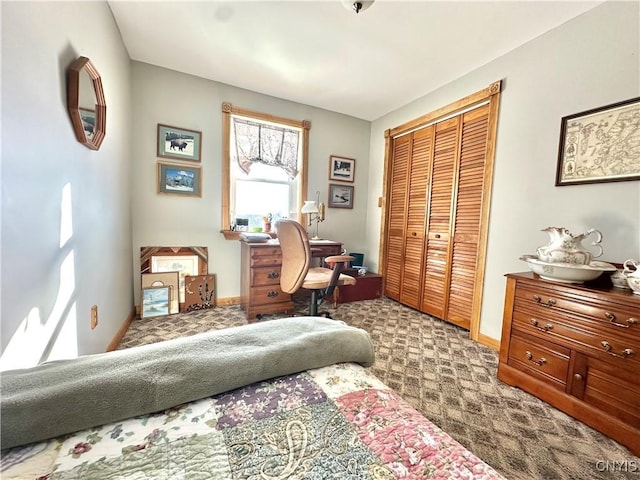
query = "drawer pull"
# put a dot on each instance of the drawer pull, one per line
(541, 361)
(612, 319)
(546, 328)
(272, 294)
(549, 303)
(578, 377)
(627, 352)
(273, 275)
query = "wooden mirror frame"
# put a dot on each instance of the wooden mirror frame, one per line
(84, 66)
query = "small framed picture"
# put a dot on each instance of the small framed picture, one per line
(88, 118)
(155, 301)
(183, 264)
(342, 169)
(165, 279)
(179, 179)
(340, 196)
(200, 292)
(179, 143)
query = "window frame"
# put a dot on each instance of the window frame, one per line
(227, 111)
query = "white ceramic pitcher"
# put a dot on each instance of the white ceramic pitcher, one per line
(632, 272)
(563, 247)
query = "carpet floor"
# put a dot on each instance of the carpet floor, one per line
(452, 381)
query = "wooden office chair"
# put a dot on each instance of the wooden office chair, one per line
(296, 269)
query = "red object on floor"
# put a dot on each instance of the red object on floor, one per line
(367, 287)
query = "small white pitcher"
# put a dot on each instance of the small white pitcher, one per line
(632, 272)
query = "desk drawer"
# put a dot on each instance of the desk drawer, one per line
(261, 257)
(265, 276)
(268, 294)
(325, 250)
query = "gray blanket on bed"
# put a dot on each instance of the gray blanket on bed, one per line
(65, 396)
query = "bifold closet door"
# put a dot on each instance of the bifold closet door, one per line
(470, 186)
(437, 266)
(397, 200)
(419, 176)
(438, 176)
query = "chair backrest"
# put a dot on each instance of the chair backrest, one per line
(296, 254)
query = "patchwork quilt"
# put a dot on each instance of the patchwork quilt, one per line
(333, 422)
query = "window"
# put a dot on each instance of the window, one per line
(264, 167)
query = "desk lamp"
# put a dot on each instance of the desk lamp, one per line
(310, 207)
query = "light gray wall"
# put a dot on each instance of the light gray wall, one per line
(51, 275)
(589, 62)
(171, 98)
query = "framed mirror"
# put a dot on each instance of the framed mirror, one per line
(85, 100)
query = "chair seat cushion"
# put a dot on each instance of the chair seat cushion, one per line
(319, 277)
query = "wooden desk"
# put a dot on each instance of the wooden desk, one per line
(260, 276)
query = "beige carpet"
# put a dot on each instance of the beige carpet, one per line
(452, 381)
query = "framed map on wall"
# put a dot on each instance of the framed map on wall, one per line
(600, 145)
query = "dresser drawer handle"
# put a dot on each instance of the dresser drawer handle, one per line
(272, 294)
(627, 352)
(546, 328)
(612, 318)
(541, 361)
(273, 275)
(549, 303)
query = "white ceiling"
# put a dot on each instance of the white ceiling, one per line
(320, 53)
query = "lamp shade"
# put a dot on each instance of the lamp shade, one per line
(309, 207)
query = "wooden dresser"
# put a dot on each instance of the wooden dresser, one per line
(578, 348)
(260, 276)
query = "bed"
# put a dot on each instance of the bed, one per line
(314, 412)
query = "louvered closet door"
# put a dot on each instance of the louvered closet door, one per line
(436, 269)
(419, 172)
(468, 205)
(397, 217)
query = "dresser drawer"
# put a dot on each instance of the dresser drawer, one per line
(541, 359)
(268, 294)
(265, 276)
(580, 333)
(605, 313)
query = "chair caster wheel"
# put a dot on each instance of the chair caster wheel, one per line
(259, 317)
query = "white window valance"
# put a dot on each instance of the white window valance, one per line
(266, 143)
